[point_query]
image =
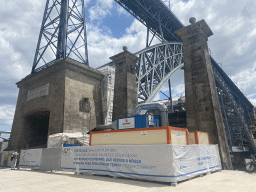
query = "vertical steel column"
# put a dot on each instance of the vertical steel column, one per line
(147, 45)
(40, 36)
(63, 26)
(170, 93)
(85, 36)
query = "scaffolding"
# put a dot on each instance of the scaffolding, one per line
(107, 92)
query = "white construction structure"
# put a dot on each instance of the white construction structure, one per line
(107, 92)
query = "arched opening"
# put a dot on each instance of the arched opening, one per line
(36, 125)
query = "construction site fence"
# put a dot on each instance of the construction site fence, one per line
(164, 163)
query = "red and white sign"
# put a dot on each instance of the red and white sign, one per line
(127, 123)
(150, 120)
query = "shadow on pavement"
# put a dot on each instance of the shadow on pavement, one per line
(106, 178)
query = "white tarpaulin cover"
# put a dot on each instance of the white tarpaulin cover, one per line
(56, 140)
(43, 159)
(165, 163)
(50, 159)
(30, 158)
(4, 145)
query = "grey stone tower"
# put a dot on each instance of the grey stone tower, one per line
(125, 90)
(64, 97)
(202, 102)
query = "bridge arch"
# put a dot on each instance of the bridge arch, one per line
(156, 65)
(159, 62)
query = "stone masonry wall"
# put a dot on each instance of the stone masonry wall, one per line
(203, 112)
(52, 102)
(125, 89)
(82, 82)
(69, 81)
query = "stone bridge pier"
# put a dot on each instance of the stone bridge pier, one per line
(202, 101)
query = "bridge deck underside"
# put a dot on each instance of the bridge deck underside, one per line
(155, 15)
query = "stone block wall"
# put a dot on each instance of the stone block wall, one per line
(203, 112)
(68, 83)
(125, 89)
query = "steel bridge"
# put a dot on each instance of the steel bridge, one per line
(158, 63)
(63, 34)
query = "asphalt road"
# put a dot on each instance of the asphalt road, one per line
(37, 181)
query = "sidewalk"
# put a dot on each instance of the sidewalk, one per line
(38, 181)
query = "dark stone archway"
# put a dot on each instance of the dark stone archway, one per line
(36, 128)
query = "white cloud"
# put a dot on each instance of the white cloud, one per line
(136, 27)
(122, 11)
(18, 36)
(6, 114)
(253, 102)
(246, 82)
(101, 9)
(157, 97)
(178, 91)
(19, 28)
(102, 45)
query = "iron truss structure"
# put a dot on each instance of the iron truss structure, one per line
(156, 16)
(157, 64)
(237, 112)
(62, 34)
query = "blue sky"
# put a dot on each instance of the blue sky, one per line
(110, 27)
(115, 22)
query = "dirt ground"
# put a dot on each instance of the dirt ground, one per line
(37, 181)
